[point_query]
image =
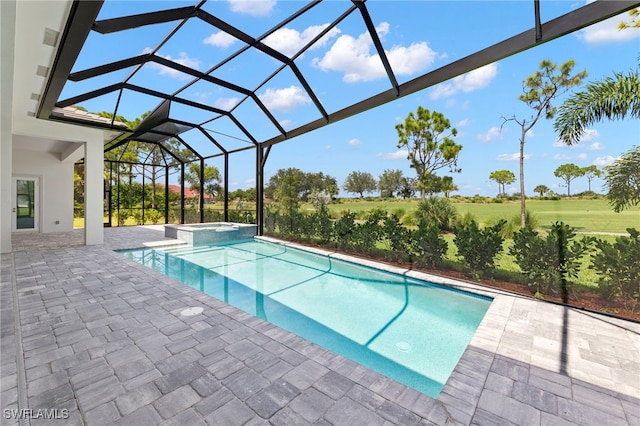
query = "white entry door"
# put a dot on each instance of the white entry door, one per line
(25, 208)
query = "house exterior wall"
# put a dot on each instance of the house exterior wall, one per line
(55, 184)
(7, 53)
(93, 141)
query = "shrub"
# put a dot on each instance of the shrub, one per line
(429, 245)
(513, 225)
(319, 200)
(289, 223)
(549, 263)
(465, 219)
(618, 266)
(398, 236)
(343, 229)
(270, 220)
(368, 233)
(153, 216)
(400, 213)
(479, 248)
(437, 210)
(322, 225)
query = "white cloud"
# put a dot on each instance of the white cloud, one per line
(607, 31)
(473, 80)
(183, 59)
(565, 157)
(226, 103)
(354, 141)
(327, 147)
(356, 57)
(252, 7)
(604, 161)
(400, 154)
(220, 39)
(284, 99)
(596, 146)
(589, 134)
(202, 97)
(250, 183)
(285, 123)
(464, 122)
(512, 157)
(289, 41)
(491, 134)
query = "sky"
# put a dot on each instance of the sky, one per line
(343, 68)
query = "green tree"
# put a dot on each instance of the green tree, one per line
(427, 136)
(502, 178)
(360, 182)
(612, 98)
(447, 186)
(285, 187)
(210, 181)
(390, 181)
(591, 172)
(568, 172)
(318, 182)
(408, 188)
(291, 176)
(541, 189)
(540, 89)
(623, 180)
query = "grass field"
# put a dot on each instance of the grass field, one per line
(583, 215)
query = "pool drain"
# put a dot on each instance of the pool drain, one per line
(189, 312)
(403, 346)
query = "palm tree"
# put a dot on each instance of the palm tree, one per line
(612, 98)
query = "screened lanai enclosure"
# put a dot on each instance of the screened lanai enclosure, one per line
(230, 103)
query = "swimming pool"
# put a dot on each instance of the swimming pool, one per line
(409, 330)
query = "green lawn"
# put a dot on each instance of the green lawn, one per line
(584, 215)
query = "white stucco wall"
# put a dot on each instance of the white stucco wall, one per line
(7, 51)
(59, 170)
(56, 187)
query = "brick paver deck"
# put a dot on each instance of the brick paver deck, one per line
(87, 331)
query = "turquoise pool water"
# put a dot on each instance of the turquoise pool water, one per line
(410, 330)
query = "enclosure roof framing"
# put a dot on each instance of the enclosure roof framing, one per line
(84, 21)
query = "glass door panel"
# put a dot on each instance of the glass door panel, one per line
(26, 204)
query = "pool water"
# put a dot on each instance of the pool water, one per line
(409, 330)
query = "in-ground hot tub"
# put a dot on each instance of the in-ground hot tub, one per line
(214, 232)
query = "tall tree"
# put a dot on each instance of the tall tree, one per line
(568, 172)
(390, 181)
(318, 182)
(502, 178)
(210, 181)
(291, 178)
(591, 172)
(447, 186)
(541, 189)
(623, 180)
(360, 182)
(540, 89)
(427, 136)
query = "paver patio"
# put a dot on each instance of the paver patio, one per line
(85, 330)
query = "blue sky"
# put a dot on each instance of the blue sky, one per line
(343, 68)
